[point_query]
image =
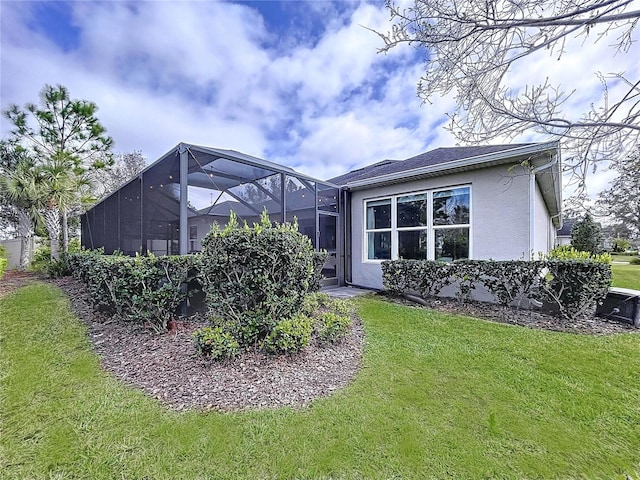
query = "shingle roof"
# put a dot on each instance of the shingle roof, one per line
(567, 225)
(427, 159)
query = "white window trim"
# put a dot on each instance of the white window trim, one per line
(430, 227)
(367, 230)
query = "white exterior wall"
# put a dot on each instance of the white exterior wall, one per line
(544, 231)
(203, 226)
(499, 217)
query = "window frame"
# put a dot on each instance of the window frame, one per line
(430, 228)
(368, 230)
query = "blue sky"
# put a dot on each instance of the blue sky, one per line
(296, 82)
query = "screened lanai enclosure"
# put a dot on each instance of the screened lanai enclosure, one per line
(171, 205)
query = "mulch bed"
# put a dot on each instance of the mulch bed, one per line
(167, 368)
(14, 279)
(586, 325)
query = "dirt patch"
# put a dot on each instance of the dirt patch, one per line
(14, 279)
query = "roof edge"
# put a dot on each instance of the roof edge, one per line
(459, 164)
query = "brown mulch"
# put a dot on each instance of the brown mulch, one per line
(587, 324)
(167, 368)
(14, 279)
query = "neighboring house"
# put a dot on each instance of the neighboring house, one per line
(491, 202)
(563, 237)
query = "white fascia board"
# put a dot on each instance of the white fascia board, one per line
(460, 164)
(551, 186)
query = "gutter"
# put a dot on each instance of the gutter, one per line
(532, 198)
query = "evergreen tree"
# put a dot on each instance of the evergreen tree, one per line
(586, 235)
(65, 137)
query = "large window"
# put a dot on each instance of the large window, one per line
(431, 225)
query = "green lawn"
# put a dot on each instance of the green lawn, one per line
(622, 258)
(439, 396)
(626, 276)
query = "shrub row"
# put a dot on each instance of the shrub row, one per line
(571, 286)
(144, 289)
(255, 280)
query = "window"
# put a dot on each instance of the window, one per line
(431, 225)
(193, 239)
(378, 230)
(413, 237)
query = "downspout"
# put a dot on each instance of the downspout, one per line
(346, 236)
(532, 200)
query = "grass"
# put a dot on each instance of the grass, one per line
(439, 396)
(626, 276)
(623, 258)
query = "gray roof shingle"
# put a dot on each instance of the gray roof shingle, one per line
(427, 159)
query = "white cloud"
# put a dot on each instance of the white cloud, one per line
(214, 73)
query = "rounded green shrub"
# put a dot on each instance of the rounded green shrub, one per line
(215, 343)
(255, 275)
(635, 261)
(313, 301)
(290, 335)
(331, 327)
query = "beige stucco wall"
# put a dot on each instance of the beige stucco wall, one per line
(500, 219)
(13, 247)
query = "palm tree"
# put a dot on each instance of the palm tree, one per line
(21, 189)
(63, 190)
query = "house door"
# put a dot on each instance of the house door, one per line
(328, 240)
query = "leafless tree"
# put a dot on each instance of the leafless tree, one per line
(125, 167)
(472, 46)
(621, 202)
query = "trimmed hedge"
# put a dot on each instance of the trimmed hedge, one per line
(256, 277)
(572, 286)
(145, 289)
(253, 279)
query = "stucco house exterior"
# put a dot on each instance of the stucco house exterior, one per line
(563, 237)
(500, 202)
(486, 202)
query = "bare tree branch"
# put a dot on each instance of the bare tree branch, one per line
(473, 47)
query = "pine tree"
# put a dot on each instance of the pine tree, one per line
(586, 235)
